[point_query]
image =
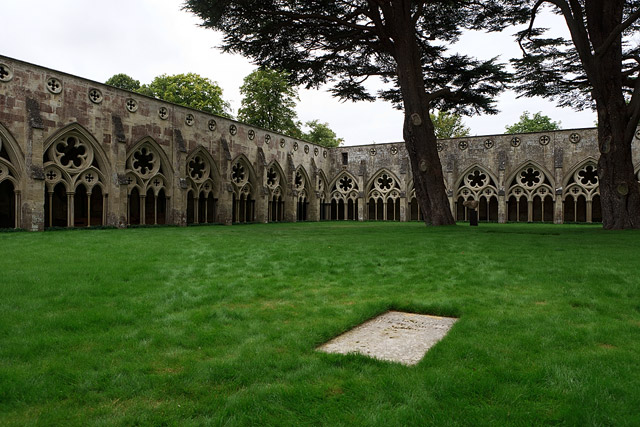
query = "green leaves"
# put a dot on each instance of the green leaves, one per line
(448, 125)
(537, 123)
(190, 90)
(269, 101)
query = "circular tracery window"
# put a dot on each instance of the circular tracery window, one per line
(587, 176)
(198, 168)
(345, 183)
(238, 174)
(144, 161)
(384, 183)
(530, 177)
(72, 153)
(477, 179)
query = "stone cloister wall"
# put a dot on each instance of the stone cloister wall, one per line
(74, 152)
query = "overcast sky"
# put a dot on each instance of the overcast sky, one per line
(146, 38)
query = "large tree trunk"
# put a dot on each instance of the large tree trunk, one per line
(418, 130)
(619, 189)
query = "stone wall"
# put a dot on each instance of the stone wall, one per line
(74, 152)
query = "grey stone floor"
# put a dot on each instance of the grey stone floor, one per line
(393, 336)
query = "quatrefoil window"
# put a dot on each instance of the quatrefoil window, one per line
(530, 177)
(346, 183)
(237, 173)
(588, 175)
(574, 138)
(5, 73)
(197, 168)
(385, 182)
(54, 85)
(132, 105)
(272, 177)
(143, 160)
(73, 153)
(95, 96)
(212, 125)
(251, 134)
(233, 129)
(477, 179)
(190, 119)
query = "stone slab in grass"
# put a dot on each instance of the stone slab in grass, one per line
(393, 336)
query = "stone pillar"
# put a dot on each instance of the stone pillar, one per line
(313, 208)
(404, 208)
(502, 208)
(225, 206)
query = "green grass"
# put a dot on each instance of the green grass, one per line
(218, 325)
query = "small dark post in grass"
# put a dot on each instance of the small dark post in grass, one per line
(472, 205)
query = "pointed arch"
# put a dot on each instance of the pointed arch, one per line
(344, 197)
(244, 182)
(75, 128)
(204, 185)
(165, 162)
(149, 176)
(479, 184)
(215, 170)
(383, 196)
(321, 188)
(581, 192)
(14, 153)
(476, 166)
(76, 163)
(302, 184)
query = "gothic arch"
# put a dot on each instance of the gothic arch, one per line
(321, 187)
(76, 170)
(581, 193)
(383, 196)
(275, 181)
(344, 197)
(203, 187)
(479, 184)
(244, 183)
(11, 166)
(530, 193)
(149, 177)
(302, 187)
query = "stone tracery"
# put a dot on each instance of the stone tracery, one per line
(147, 185)
(75, 187)
(383, 198)
(201, 189)
(479, 185)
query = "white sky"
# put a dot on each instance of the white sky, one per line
(146, 38)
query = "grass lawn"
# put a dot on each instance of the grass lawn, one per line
(218, 325)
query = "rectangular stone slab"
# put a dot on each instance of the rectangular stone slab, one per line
(393, 336)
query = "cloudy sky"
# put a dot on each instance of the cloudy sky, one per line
(145, 38)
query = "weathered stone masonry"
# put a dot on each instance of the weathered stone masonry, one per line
(74, 152)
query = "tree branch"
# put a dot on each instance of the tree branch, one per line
(617, 31)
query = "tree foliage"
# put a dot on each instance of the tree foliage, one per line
(190, 90)
(449, 125)
(597, 67)
(124, 81)
(536, 123)
(404, 42)
(269, 101)
(321, 134)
